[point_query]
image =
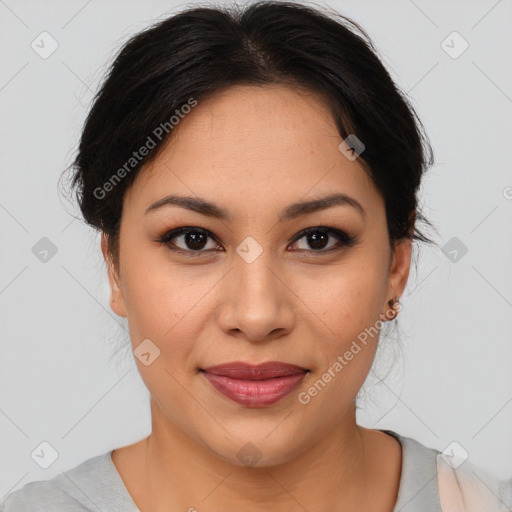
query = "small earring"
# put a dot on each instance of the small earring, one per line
(392, 303)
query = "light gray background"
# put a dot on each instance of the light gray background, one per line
(61, 379)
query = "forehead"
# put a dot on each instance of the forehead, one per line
(254, 146)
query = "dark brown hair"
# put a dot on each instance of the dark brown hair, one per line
(202, 50)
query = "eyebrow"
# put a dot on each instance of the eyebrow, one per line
(292, 211)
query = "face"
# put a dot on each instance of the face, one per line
(245, 282)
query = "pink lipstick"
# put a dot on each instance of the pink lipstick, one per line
(255, 385)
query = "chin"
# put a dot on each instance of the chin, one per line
(257, 451)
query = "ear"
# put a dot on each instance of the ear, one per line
(398, 271)
(116, 295)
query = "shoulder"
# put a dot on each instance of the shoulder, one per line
(468, 487)
(40, 496)
(436, 481)
(74, 490)
(418, 488)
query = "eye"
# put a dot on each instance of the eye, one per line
(192, 241)
(318, 239)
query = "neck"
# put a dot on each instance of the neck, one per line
(186, 475)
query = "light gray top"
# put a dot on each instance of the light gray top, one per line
(95, 485)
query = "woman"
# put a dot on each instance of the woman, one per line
(254, 174)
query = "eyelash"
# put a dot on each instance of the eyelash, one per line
(345, 240)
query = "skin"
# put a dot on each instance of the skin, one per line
(253, 151)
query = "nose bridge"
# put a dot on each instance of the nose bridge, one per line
(255, 304)
(253, 272)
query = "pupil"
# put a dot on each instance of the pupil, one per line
(195, 240)
(314, 239)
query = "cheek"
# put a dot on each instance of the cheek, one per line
(157, 294)
(168, 305)
(348, 298)
(347, 334)
(347, 303)
(163, 307)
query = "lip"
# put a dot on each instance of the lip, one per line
(255, 385)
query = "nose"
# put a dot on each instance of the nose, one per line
(257, 303)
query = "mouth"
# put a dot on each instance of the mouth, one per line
(255, 385)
